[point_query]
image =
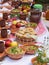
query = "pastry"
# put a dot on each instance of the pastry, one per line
(26, 35)
(27, 32)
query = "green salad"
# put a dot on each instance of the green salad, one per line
(31, 48)
(15, 10)
(32, 25)
(15, 50)
(13, 15)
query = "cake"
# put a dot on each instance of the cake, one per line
(2, 23)
(4, 33)
(2, 47)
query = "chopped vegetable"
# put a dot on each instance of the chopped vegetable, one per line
(32, 25)
(15, 50)
(31, 48)
(42, 57)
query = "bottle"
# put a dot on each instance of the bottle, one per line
(35, 16)
(2, 23)
(47, 13)
(2, 47)
(5, 16)
(4, 33)
(36, 13)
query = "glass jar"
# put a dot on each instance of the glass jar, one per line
(47, 13)
(4, 33)
(23, 16)
(35, 16)
(5, 16)
(2, 23)
(2, 46)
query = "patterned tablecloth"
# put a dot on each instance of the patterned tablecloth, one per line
(26, 60)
